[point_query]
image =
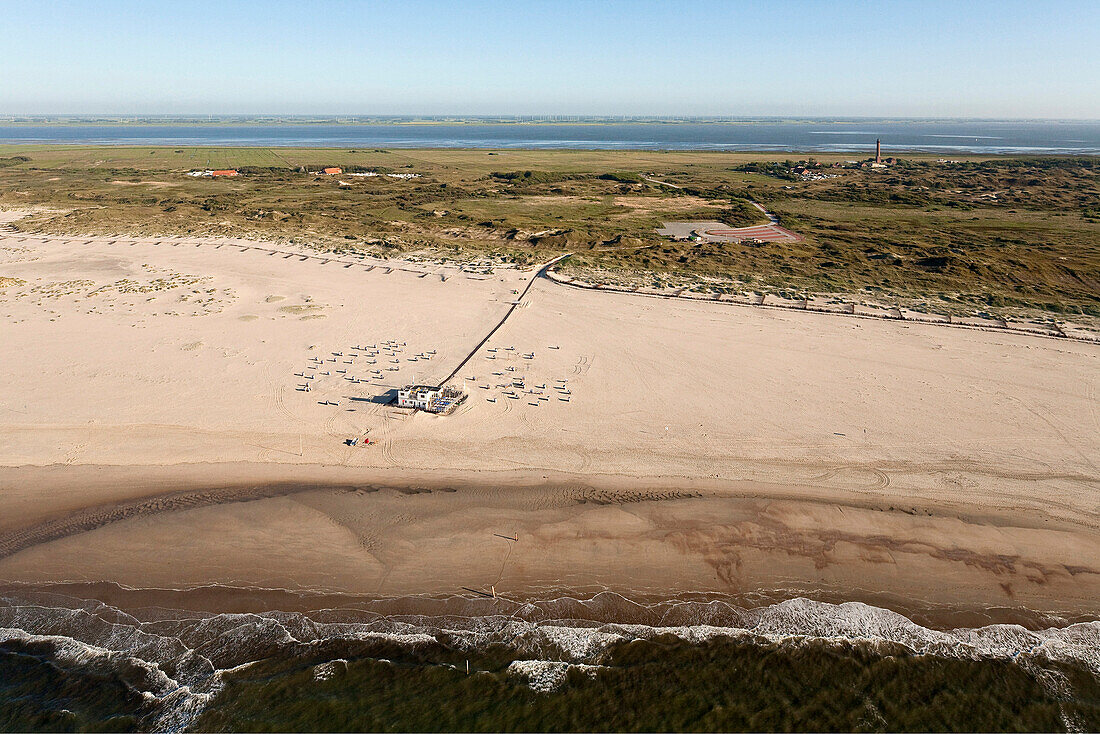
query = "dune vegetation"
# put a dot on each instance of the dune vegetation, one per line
(1010, 233)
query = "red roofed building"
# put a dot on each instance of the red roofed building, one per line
(223, 173)
(332, 171)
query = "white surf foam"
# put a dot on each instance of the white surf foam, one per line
(184, 656)
(546, 676)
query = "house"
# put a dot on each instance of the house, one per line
(228, 172)
(418, 396)
(333, 171)
(430, 398)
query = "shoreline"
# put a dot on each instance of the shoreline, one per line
(568, 607)
(965, 153)
(238, 666)
(768, 555)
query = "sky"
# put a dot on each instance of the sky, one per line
(892, 58)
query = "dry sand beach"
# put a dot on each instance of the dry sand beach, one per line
(156, 431)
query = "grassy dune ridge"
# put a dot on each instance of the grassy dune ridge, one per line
(1010, 233)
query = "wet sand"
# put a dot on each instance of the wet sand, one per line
(447, 535)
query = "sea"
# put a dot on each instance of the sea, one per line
(602, 662)
(825, 136)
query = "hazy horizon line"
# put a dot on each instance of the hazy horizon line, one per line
(6, 117)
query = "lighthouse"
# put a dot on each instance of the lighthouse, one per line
(878, 151)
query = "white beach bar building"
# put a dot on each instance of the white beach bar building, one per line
(418, 396)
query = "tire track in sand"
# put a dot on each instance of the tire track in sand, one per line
(387, 440)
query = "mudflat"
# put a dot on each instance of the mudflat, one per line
(156, 431)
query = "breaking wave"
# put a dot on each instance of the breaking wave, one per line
(178, 660)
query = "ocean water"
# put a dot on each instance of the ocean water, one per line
(560, 664)
(856, 136)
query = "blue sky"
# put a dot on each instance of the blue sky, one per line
(885, 58)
